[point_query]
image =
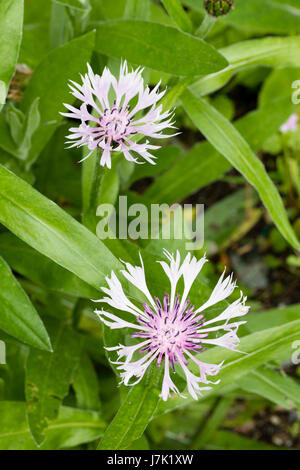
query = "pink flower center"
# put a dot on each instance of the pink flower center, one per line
(115, 122)
(171, 332)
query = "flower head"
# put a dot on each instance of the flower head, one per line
(116, 114)
(169, 331)
(291, 124)
(218, 7)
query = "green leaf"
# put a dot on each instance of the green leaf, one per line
(139, 444)
(176, 11)
(7, 142)
(48, 229)
(226, 440)
(269, 51)
(203, 164)
(224, 217)
(91, 171)
(77, 4)
(104, 190)
(11, 23)
(71, 428)
(32, 121)
(276, 387)
(61, 28)
(15, 119)
(173, 94)
(200, 166)
(22, 128)
(269, 16)
(158, 46)
(119, 8)
(55, 167)
(48, 377)
(86, 385)
(272, 318)
(109, 188)
(13, 372)
(49, 82)
(134, 414)
(91, 179)
(18, 317)
(135, 9)
(229, 142)
(278, 83)
(166, 156)
(38, 268)
(264, 17)
(35, 40)
(211, 425)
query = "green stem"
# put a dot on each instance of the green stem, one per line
(77, 311)
(210, 425)
(173, 95)
(206, 25)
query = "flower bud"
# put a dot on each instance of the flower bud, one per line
(218, 7)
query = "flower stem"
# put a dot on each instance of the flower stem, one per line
(206, 25)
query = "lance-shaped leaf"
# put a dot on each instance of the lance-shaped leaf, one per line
(48, 377)
(276, 387)
(226, 440)
(47, 228)
(269, 16)
(38, 268)
(265, 17)
(134, 414)
(180, 17)
(229, 142)
(86, 385)
(76, 4)
(135, 9)
(72, 427)
(159, 47)
(203, 164)
(11, 22)
(18, 317)
(273, 52)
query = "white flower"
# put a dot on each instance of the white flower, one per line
(171, 330)
(114, 113)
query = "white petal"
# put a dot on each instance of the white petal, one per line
(190, 270)
(136, 276)
(222, 290)
(116, 322)
(168, 384)
(128, 351)
(192, 381)
(137, 369)
(117, 297)
(106, 158)
(173, 271)
(236, 309)
(228, 341)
